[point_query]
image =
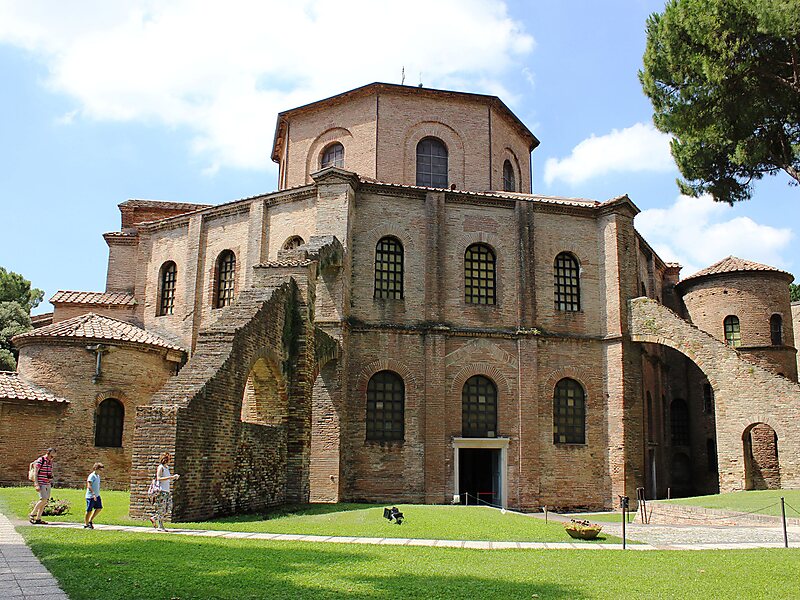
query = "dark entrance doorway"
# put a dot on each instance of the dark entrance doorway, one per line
(478, 475)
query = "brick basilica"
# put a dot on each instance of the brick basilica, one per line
(403, 320)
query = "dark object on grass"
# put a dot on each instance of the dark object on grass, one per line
(54, 507)
(583, 530)
(393, 513)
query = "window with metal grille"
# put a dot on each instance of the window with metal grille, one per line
(293, 242)
(509, 185)
(479, 275)
(333, 156)
(479, 407)
(389, 268)
(679, 420)
(108, 422)
(385, 406)
(776, 330)
(708, 398)
(569, 413)
(167, 281)
(226, 279)
(733, 336)
(567, 283)
(432, 163)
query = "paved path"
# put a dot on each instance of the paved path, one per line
(707, 536)
(21, 574)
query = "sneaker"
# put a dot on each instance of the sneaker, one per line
(40, 522)
(87, 526)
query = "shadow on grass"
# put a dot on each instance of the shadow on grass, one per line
(123, 568)
(293, 510)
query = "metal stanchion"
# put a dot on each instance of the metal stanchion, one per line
(783, 519)
(624, 503)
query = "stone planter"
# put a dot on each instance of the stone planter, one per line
(583, 530)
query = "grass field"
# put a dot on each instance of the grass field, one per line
(116, 566)
(766, 502)
(359, 520)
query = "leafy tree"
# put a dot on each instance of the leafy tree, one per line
(17, 298)
(724, 80)
(794, 292)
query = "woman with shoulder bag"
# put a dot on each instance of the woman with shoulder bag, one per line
(163, 499)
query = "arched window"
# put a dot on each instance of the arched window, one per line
(708, 398)
(385, 406)
(569, 413)
(479, 275)
(776, 330)
(389, 268)
(293, 242)
(650, 419)
(733, 336)
(432, 163)
(509, 185)
(679, 413)
(333, 156)
(108, 420)
(225, 279)
(479, 407)
(166, 283)
(567, 283)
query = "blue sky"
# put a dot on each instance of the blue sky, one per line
(107, 101)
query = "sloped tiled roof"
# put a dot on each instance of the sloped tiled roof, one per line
(15, 388)
(733, 264)
(113, 298)
(100, 328)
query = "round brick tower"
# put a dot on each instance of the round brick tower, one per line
(746, 305)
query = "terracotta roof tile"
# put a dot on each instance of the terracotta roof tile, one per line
(732, 264)
(100, 328)
(16, 388)
(111, 298)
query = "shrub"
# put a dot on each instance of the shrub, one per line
(54, 507)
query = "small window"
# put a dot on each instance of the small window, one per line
(293, 243)
(733, 336)
(509, 185)
(650, 419)
(679, 413)
(479, 275)
(567, 283)
(225, 279)
(708, 398)
(431, 163)
(109, 418)
(569, 413)
(389, 269)
(776, 330)
(479, 407)
(167, 281)
(333, 156)
(385, 407)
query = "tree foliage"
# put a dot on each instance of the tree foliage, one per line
(724, 80)
(15, 288)
(17, 298)
(794, 292)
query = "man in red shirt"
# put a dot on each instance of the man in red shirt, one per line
(43, 482)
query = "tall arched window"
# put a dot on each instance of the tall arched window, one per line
(225, 279)
(479, 275)
(333, 156)
(385, 406)
(733, 336)
(569, 413)
(567, 283)
(166, 282)
(776, 330)
(509, 185)
(479, 407)
(432, 163)
(389, 268)
(293, 242)
(679, 414)
(108, 421)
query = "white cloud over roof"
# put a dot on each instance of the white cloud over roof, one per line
(224, 70)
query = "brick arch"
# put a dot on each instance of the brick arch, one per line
(455, 151)
(391, 229)
(327, 137)
(549, 382)
(480, 237)
(115, 393)
(511, 156)
(264, 399)
(387, 364)
(480, 368)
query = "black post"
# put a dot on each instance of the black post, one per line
(783, 519)
(623, 502)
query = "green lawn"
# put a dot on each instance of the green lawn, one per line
(762, 501)
(111, 565)
(359, 520)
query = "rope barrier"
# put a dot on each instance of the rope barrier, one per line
(728, 517)
(479, 501)
(787, 505)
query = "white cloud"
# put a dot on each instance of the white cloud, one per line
(224, 70)
(697, 232)
(640, 147)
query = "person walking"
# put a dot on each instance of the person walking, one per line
(163, 502)
(93, 502)
(43, 483)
